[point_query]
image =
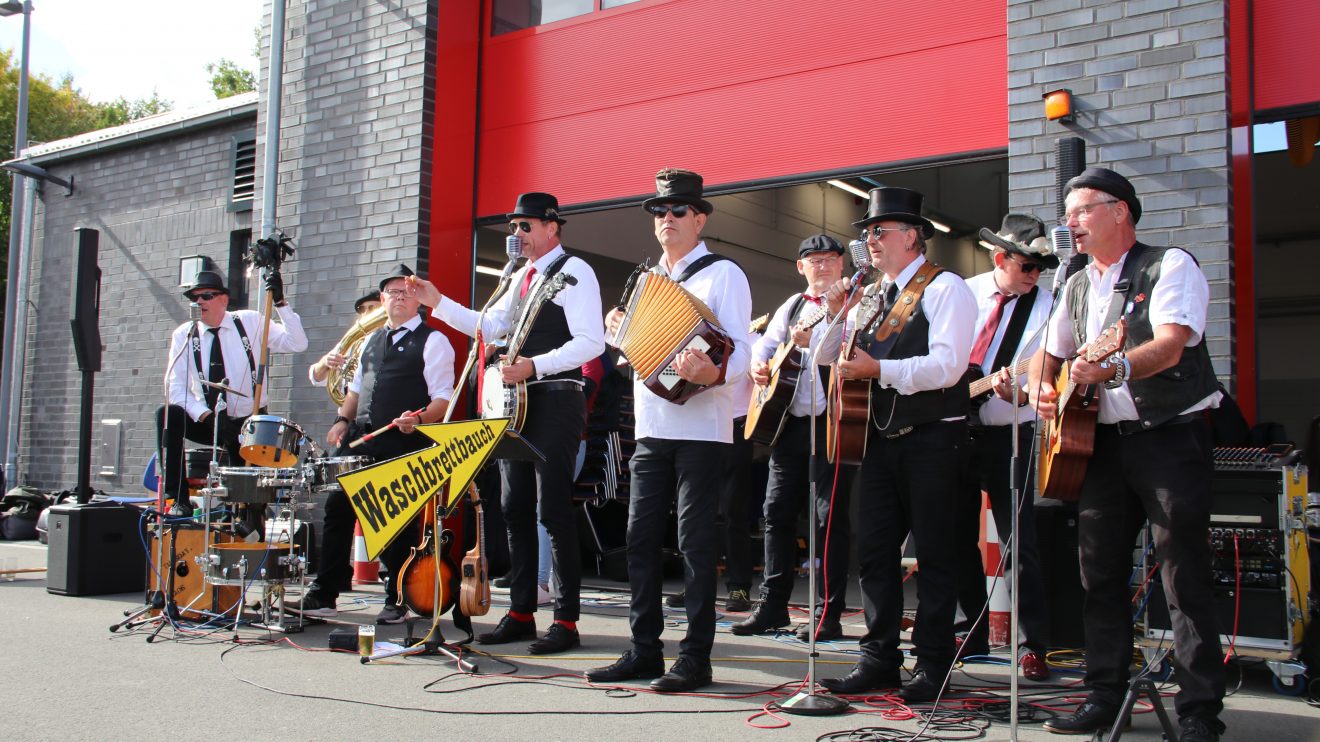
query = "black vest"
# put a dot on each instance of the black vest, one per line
(1165, 395)
(891, 411)
(550, 330)
(392, 379)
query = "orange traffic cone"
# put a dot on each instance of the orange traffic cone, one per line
(1001, 604)
(365, 571)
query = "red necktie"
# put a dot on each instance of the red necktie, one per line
(988, 331)
(813, 299)
(527, 282)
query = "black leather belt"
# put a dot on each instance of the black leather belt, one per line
(898, 433)
(554, 386)
(1128, 427)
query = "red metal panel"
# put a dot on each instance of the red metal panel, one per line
(1244, 206)
(1287, 59)
(590, 108)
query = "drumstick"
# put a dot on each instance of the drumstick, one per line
(374, 433)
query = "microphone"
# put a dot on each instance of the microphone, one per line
(570, 279)
(1064, 246)
(513, 246)
(861, 259)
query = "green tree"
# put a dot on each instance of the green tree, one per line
(227, 79)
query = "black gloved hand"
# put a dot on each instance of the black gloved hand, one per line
(275, 285)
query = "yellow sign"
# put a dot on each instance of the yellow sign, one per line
(388, 495)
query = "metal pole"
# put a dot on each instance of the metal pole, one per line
(19, 346)
(271, 159)
(12, 386)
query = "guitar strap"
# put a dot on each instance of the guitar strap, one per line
(899, 315)
(1017, 324)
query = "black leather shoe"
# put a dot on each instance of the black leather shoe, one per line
(828, 632)
(509, 629)
(1198, 729)
(764, 619)
(631, 666)
(1088, 718)
(923, 687)
(559, 638)
(862, 679)
(685, 676)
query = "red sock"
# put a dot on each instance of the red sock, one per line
(518, 616)
(570, 625)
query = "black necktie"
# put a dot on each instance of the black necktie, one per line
(891, 296)
(216, 373)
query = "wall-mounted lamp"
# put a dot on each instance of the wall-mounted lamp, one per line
(1059, 106)
(190, 266)
(38, 173)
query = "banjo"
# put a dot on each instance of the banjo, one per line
(510, 400)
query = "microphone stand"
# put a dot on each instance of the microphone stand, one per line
(805, 702)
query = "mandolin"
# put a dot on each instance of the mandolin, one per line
(474, 593)
(418, 578)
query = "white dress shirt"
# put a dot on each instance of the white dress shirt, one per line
(708, 416)
(997, 411)
(778, 333)
(437, 361)
(580, 302)
(183, 379)
(1180, 297)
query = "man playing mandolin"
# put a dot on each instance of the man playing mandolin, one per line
(1152, 456)
(562, 332)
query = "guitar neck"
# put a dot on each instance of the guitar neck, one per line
(985, 384)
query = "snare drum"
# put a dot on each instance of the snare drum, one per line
(243, 563)
(326, 471)
(255, 484)
(269, 440)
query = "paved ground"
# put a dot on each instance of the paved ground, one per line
(64, 676)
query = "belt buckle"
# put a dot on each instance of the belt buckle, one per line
(899, 433)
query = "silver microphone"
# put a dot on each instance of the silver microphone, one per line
(861, 259)
(1064, 246)
(513, 246)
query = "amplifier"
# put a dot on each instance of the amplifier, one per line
(1260, 565)
(95, 549)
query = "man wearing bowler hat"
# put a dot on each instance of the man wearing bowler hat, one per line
(678, 449)
(1152, 456)
(220, 346)
(566, 334)
(914, 331)
(1010, 309)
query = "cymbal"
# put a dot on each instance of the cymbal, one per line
(223, 388)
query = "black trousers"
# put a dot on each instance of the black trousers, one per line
(991, 460)
(733, 511)
(544, 490)
(1163, 475)
(181, 426)
(911, 484)
(665, 471)
(787, 493)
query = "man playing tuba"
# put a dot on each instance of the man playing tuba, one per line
(335, 369)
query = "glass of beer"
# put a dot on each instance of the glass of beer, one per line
(366, 640)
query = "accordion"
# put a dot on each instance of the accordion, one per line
(660, 319)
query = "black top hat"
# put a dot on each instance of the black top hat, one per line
(206, 280)
(537, 206)
(1104, 179)
(369, 296)
(675, 186)
(893, 204)
(1025, 235)
(819, 243)
(401, 271)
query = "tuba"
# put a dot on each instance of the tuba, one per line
(336, 381)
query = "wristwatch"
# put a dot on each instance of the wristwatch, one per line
(339, 419)
(1122, 370)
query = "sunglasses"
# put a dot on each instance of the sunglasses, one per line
(678, 210)
(524, 226)
(1027, 266)
(206, 295)
(878, 232)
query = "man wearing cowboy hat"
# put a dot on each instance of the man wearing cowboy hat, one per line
(195, 355)
(679, 447)
(566, 334)
(911, 475)
(317, 372)
(1010, 309)
(1152, 456)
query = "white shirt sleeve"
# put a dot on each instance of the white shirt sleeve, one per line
(582, 312)
(1181, 295)
(951, 310)
(438, 368)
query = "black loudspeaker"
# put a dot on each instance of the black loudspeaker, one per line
(95, 549)
(85, 311)
(1070, 161)
(1056, 538)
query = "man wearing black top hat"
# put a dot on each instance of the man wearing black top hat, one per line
(678, 449)
(914, 355)
(566, 334)
(196, 356)
(792, 484)
(1152, 455)
(317, 372)
(405, 377)
(1010, 310)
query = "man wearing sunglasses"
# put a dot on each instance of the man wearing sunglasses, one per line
(219, 346)
(1151, 458)
(681, 449)
(566, 334)
(1010, 308)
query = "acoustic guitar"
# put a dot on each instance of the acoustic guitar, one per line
(849, 403)
(1066, 442)
(768, 409)
(474, 591)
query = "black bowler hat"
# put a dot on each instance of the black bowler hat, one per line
(206, 280)
(819, 243)
(369, 296)
(894, 204)
(537, 206)
(402, 271)
(675, 186)
(1104, 179)
(1025, 235)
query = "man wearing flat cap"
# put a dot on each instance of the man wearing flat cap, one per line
(678, 447)
(914, 331)
(1010, 308)
(802, 321)
(317, 372)
(220, 346)
(565, 334)
(1152, 455)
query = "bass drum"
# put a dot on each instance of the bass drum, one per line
(270, 440)
(500, 400)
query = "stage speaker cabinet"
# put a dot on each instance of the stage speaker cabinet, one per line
(85, 308)
(178, 552)
(95, 549)
(1260, 564)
